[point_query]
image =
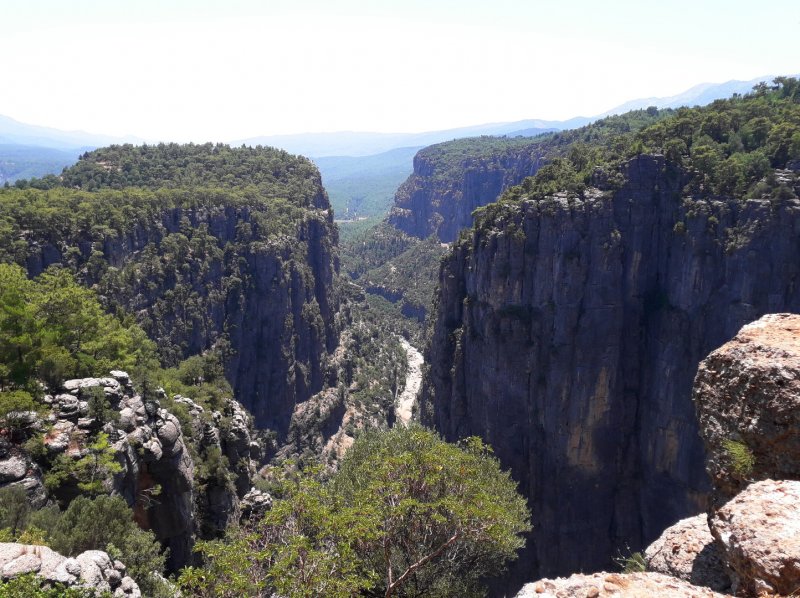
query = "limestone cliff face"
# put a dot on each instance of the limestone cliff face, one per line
(437, 199)
(568, 333)
(195, 274)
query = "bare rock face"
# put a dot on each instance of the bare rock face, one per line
(759, 535)
(149, 446)
(687, 551)
(567, 335)
(747, 395)
(92, 569)
(439, 198)
(12, 469)
(602, 585)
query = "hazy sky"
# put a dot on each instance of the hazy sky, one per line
(220, 70)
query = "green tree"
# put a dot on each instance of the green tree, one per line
(406, 515)
(14, 509)
(106, 523)
(15, 405)
(91, 472)
(31, 586)
(446, 515)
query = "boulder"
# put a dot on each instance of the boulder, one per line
(254, 504)
(618, 585)
(687, 551)
(759, 536)
(12, 469)
(747, 397)
(121, 377)
(58, 437)
(92, 569)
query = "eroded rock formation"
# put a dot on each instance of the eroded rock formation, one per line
(92, 569)
(758, 533)
(687, 550)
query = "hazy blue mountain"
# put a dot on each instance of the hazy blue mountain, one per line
(361, 170)
(17, 133)
(699, 95)
(350, 143)
(25, 161)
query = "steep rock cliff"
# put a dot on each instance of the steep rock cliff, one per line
(568, 333)
(214, 246)
(448, 183)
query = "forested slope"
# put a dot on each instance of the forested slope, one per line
(208, 246)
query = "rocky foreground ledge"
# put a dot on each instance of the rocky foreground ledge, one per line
(618, 585)
(92, 569)
(747, 398)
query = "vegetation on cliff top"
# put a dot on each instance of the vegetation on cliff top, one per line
(729, 148)
(177, 166)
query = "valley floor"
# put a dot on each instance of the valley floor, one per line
(408, 398)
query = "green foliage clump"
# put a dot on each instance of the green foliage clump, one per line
(52, 329)
(15, 510)
(177, 166)
(15, 405)
(406, 515)
(740, 457)
(91, 472)
(632, 563)
(106, 523)
(31, 586)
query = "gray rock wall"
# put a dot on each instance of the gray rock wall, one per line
(568, 333)
(272, 295)
(427, 204)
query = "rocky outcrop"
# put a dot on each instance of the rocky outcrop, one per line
(568, 333)
(440, 195)
(254, 504)
(149, 445)
(227, 433)
(17, 469)
(92, 569)
(758, 533)
(747, 395)
(607, 585)
(158, 476)
(687, 551)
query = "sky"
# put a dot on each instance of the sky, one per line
(221, 70)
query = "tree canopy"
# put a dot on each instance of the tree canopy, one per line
(406, 515)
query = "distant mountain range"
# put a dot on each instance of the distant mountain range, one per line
(347, 143)
(13, 132)
(30, 150)
(352, 143)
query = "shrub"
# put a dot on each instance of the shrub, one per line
(406, 515)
